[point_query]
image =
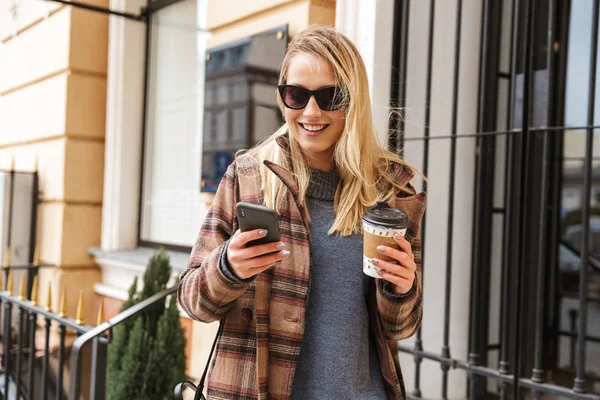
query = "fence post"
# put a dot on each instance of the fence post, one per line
(98, 373)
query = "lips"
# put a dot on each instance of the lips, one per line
(313, 129)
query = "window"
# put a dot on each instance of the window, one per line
(202, 106)
(170, 204)
(18, 216)
(240, 100)
(534, 281)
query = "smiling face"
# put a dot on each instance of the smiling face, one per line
(316, 131)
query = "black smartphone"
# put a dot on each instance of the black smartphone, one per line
(252, 216)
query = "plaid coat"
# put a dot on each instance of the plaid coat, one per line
(257, 352)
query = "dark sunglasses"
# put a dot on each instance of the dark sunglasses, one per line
(331, 98)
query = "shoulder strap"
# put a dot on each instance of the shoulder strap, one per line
(200, 388)
(219, 332)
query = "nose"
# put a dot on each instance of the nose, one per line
(312, 109)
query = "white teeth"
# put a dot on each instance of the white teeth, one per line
(313, 128)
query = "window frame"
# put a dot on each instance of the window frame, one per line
(152, 8)
(247, 74)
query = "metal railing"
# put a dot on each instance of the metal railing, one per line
(532, 164)
(19, 349)
(97, 336)
(27, 333)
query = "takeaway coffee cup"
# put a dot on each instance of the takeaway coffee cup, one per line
(380, 223)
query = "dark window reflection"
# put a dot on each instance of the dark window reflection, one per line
(572, 202)
(240, 105)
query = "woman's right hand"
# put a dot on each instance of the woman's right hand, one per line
(245, 262)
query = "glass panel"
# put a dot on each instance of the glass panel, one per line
(240, 92)
(170, 199)
(245, 107)
(578, 66)
(264, 94)
(501, 140)
(573, 201)
(222, 132)
(222, 94)
(506, 36)
(240, 125)
(495, 310)
(209, 97)
(20, 211)
(214, 165)
(266, 121)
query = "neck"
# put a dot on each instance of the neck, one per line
(322, 162)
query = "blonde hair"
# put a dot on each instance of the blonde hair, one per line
(360, 158)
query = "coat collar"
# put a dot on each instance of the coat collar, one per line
(398, 173)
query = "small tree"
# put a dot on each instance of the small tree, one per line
(169, 331)
(132, 374)
(117, 348)
(147, 356)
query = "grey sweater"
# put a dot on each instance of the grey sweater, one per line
(338, 357)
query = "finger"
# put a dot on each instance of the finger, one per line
(404, 284)
(260, 250)
(398, 255)
(258, 270)
(261, 263)
(404, 244)
(392, 268)
(243, 238)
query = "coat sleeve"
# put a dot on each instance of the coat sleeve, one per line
(401, 315)
(206, 293)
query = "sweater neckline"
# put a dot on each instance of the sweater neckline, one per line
(322, 184)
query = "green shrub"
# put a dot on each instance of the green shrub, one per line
(146, 358)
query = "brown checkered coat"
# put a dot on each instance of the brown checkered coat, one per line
(257, 353)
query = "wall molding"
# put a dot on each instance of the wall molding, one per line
(124, 121)
(369, 25)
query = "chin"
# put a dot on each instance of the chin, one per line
(311, 144)
(309, 148)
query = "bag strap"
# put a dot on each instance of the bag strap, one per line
(178, 392)
(219, 332)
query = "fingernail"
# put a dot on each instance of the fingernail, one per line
(397, 236)
(280, 246)
(285, 253)
(379, 272)
(262, 232)
(381, 249)
(375, 261)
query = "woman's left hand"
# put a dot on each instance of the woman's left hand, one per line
(400, 272)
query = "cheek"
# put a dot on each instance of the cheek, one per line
(290, 115)
(339, 122)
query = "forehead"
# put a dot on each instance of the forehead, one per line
(310, 71)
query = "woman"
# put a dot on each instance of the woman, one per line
(301, 319)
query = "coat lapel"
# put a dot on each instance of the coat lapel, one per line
(274, 373)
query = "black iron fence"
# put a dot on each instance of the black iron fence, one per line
(27, 349)
(99, 338)
(543, 164)
(46, 354)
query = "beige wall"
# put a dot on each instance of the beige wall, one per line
(231, 19)
(53, 105)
